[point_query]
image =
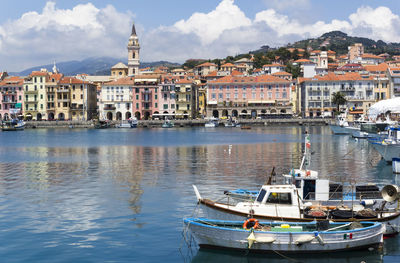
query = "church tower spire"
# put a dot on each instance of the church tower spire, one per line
(133, 53)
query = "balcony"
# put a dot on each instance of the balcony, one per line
(76, 107)
(9, 92)
(29, 91)
(62, 90)
(9, 101)
(63, 100)
(109, 107)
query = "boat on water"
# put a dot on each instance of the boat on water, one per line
(211, 123)
(304, 197)
(254, 236)
(133, 122)
(102, 124)
(123, 125)
(389, 147)
(13, 125)
(342, 126)
(167, 124)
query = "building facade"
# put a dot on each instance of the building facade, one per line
(249, 97)
(116, 99)
(146, 96)
(11, 98)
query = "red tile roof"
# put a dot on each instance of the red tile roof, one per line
(337, 77)
(121, 81)
(247, 79)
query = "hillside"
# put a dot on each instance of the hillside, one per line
(339, 42)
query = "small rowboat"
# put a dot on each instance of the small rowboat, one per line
(285, 237)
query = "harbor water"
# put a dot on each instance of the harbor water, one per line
(119, 195)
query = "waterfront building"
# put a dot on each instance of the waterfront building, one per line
(381, 87)
(394, 80)
(146, 96)
(11, 97)
(51, 87)
(75, 99)
(34, 91)
(186, 94)
(166, 103)
(316, 93)
(248, 96)
(133, 53)
(116, 99)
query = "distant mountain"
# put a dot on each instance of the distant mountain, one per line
(91, 66)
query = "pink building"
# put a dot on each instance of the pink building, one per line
(11, 97)
(248, 96)
(166, 105)
(146, 96)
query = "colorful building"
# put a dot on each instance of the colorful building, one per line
(11, 97)
(146, 96)
(248, 97)
(116, 99)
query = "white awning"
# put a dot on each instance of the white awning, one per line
(212, 102)
(383, 106)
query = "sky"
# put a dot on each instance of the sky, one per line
(39, 32)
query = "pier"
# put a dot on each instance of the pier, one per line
(178, 123)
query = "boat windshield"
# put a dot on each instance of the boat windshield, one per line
(280, 198)
(261, 195)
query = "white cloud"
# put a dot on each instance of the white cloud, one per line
(210, 26)
(64, 34)
(213, 34)
(85, 31)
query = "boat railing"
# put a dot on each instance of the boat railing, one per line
(347, 195)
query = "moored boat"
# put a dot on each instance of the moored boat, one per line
(102, 124)
(13, 125)
(211, 123)
(388, 148)
(167, 124)
(254, 236)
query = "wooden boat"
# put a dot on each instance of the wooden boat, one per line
(13, 125)
(284, 203)
(102, 124)
(254, 236)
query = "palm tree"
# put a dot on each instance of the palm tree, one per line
(338, 99)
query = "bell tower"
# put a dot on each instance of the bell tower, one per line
(133, 53)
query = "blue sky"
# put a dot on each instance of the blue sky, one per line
(41, 31)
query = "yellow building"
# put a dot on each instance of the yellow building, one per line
(120, 70)
(185, 98)
(35, 92)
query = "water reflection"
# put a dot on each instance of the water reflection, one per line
(106, 190)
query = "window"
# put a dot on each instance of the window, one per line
(228, 96)
(236, 88)
(137, 97)
(220, 96)
(213, 87)
(41, 96)
(236, 96)
(165, 106)
(155, 96)
(227, 87)
(137, 105)
(261, 195)
(253, 95)
(81, 96)
(172, 106)
(244, 95)
(277, 95)
(213, 96)
(220, 88)
(283, 95)
(156, 105)
(136, 90)
(73, 96)
(26, 97)
(41, 106)
(280, 198)
(261, 95)
(269, 95)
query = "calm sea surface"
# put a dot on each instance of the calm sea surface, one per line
(119, 195)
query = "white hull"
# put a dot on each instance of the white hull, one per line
(390, 227)
(388, 151)
(211, 125)
(336, 129)
(223, 237)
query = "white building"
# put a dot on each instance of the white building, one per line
(116, 99)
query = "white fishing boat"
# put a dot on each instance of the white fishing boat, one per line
(389, 148)
(211, 123)
(167, 124)
(13, 125)
(284, 203)
(341, 125)
(123, 125)
(254, 236)
(133, 122)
